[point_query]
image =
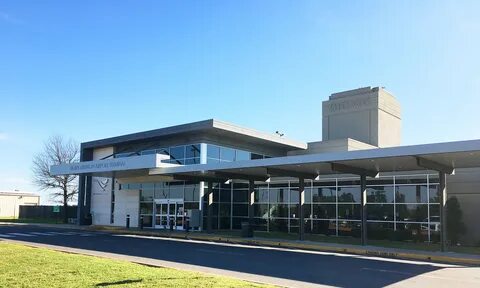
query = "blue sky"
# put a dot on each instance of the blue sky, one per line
(94, 69)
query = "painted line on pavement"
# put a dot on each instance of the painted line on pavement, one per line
(425, 275)
(42, 233)
(293, 250)
(21, 234)
(220, 252)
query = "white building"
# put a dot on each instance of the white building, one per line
(10, 202)
(358, 179)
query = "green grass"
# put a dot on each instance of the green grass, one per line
(22, 266)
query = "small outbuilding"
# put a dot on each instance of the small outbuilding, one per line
(10, 202)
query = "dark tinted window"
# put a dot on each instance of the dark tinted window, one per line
(192, 151)
(227, 154)
(213, 151)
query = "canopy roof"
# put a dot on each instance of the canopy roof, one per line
(440, 156)
(444, 157)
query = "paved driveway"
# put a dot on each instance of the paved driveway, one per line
(277, 266)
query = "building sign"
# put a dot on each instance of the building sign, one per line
(110, 165)
(349, 104)
(103, 183)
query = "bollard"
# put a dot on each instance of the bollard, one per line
(171, 224)
(128, 221)
(141, 222)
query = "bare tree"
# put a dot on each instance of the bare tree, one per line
(64, 188)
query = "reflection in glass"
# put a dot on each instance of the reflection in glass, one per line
(349, 194)
(227, 154)
(380, 194)
(324, 194)
(411, 194)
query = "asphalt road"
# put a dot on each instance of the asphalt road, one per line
(315, 268)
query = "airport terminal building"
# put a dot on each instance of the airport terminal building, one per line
(212, 175)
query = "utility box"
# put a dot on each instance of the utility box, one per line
(194, 216)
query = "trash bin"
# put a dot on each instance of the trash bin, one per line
(247, 230)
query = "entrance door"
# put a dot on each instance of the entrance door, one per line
(169, 212)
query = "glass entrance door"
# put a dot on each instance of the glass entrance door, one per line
(169, 213)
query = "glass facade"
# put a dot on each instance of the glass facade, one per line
(398, 207)
(407, 210)
(217, 153)
(182, 154)
(188, 191)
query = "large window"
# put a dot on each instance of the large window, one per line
(182, 154)
(217, 153)
(406, 206)
(332, 206)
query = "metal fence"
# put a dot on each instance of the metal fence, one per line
(46, 212)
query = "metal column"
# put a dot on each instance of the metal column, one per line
(81, 200)
(363, 189)
(301, 194)
(443, 210)
(251, 200)
(210, 206)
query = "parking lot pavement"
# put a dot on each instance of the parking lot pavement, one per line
(24, 232)
(279, 266)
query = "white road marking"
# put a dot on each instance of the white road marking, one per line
(21, 234)
(41, 233)
(220, 252)
(295, 251)
(63, 233)
(430, 275)
(6, 236)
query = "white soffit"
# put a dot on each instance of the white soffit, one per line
(111, 165)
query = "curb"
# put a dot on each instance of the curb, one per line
(372, 252)
(406, 255)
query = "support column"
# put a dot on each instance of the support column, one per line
(81, 200)
(442, 190)
(301, 194)
(363, 189)
(251, 200)
(210, 206)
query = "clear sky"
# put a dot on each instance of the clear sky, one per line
(95, 69)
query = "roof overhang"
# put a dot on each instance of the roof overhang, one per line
(126, 166)
(443, 157)
(206, 129)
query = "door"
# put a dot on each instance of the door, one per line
(169, 212)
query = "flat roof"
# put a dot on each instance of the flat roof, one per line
(18, 193)
(206, 127)
(460, 154)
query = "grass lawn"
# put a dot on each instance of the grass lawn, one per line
(22, 266)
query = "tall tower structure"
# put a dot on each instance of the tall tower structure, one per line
(370, 115)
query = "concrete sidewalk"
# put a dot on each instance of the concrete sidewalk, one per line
(374, 251)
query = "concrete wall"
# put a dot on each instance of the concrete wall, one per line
(101, 192)
(337, 145)
(127, 202)
(369, 115)
(465, 185)
(9, 204)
